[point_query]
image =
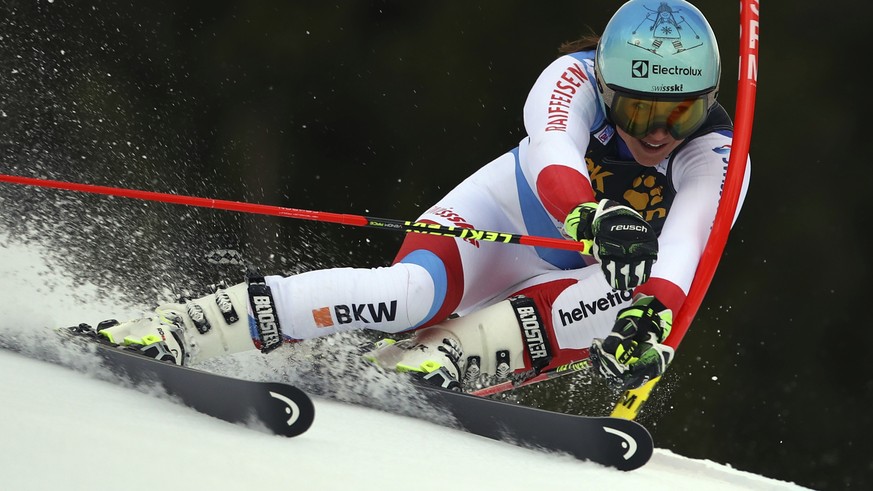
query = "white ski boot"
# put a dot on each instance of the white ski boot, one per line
(464, 353)
(185, 333)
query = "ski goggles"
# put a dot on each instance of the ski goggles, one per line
(640, 115)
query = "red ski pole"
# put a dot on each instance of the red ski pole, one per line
(319, 216)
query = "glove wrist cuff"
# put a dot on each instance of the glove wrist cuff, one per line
(583, 215)
(587, 212)
(649, 301)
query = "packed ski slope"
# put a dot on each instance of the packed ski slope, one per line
(64, 430)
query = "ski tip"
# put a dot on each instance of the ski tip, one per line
(636, 445)
(289, 411)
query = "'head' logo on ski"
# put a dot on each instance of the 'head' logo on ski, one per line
(291, 407)
(629, 443)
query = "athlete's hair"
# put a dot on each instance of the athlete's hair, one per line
(586, 42)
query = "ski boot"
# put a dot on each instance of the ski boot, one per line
(186, 332)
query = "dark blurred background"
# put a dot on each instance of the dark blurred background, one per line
(379, 108)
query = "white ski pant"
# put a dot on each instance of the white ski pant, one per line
(433, 276)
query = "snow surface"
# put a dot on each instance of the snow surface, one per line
(66, 430)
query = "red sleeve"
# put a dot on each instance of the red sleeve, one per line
(667, 292)
(562, 188)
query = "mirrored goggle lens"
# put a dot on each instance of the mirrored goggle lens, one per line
(639, 117)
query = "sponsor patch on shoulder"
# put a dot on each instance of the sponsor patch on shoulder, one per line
(605, 134)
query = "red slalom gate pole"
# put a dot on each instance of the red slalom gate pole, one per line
(630, 403)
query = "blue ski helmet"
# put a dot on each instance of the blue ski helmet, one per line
(657, 66)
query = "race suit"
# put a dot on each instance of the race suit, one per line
(571, 155)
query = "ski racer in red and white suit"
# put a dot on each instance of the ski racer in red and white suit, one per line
(486, 309)
(571, 155)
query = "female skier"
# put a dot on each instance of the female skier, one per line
(626, 146)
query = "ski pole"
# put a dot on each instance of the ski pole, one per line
(583, 247)
(566, 369)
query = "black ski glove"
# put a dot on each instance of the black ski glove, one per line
(625, 245)
(634, 352)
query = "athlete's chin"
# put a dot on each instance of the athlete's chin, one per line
(650, 156)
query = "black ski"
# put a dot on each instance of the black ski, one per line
(287, 410)
(613, 442)
(279, 408)
(283, 409)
